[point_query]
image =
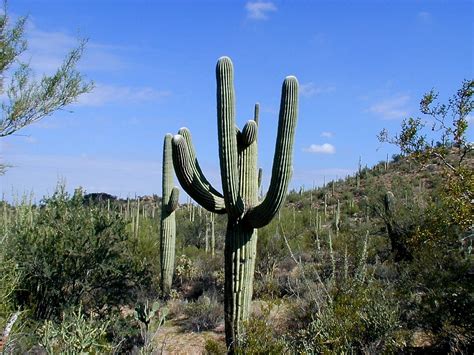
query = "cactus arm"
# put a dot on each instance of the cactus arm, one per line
(263, 213)
(194, 161)
(259, 179)
(256, 113)
(228, 151)
(249, 133)
(173, 200)
(167, 221)
(191, 182)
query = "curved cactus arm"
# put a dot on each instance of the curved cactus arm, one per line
(263, 213)
(228, 150)
(191, 182)
(194, 161)
(249, 133)
(174, 199)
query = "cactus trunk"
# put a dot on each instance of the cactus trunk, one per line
(239, 177)
(169, 204)
(240, 251)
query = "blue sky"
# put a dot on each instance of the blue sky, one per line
(362, 66)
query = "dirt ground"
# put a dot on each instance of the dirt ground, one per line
(172, 339)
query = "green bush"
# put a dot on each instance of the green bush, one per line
(70, 254)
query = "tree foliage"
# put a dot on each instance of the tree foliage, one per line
(28, 99)
(447, 147)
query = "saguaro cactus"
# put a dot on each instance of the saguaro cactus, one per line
(169, 204)
(395, 231)
(239, 175)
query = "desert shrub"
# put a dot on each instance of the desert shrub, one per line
(124, 332)
(9, 281)
(260, 336)
(215, 347)
(340, 306)
(70, 254)
(436, 290)
(204, 314)
(145, 251)
(76, 334)
(361, 316)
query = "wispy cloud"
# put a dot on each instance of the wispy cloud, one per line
(424, 17)
(258, 10)
(319, 38)
(325, 148)
(327, 134)
(393, 108)
(310, 89)
(106, 94)
(47, 49)
(30, 140)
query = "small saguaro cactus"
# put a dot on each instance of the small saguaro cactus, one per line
(169, 204)
(239, 176)
(394, 230)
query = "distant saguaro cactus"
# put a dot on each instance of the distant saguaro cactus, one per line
(239, 176)
(169, 204)
(394, 230)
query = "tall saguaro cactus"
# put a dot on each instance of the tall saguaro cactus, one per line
(239, 175)
(169, 204)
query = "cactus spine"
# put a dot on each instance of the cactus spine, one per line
(239, 176)
(169, 204)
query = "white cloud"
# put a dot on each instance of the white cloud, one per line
(310, 89)
(105, 94)
(470, 119)
(325, 148)
(393, 108)
(258, 10)
(327, 134)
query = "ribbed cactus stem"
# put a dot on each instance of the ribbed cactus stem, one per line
(170, 197)
(228, 153)
(213, 235)
(325, 206)
(259, 216)
(240, 183)
(206, 234)
(389, 201)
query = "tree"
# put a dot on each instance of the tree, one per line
(447, 147)
(28, 100)
(436, 285)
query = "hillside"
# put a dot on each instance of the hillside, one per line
(340, 269)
